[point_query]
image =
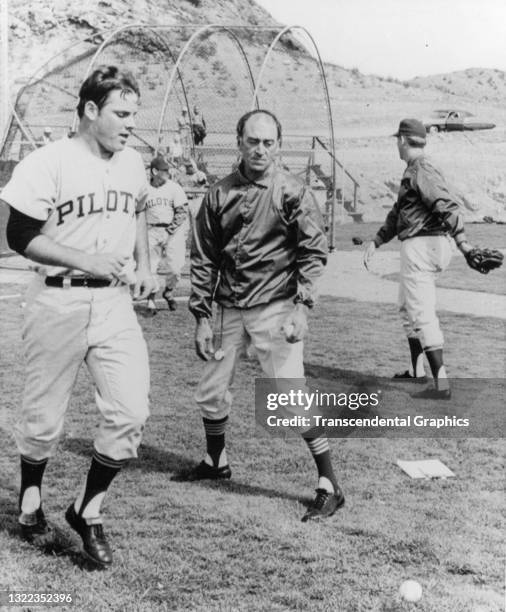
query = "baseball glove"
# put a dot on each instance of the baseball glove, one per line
(484, 260)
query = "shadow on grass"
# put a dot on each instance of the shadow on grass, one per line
(239, 488)
(56, 543)
(150, 459)
(359, 380)
(9, 511)
(153, 459)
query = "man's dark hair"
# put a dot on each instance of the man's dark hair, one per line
(101, 82)
(244, 118)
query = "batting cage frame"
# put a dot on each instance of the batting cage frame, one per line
(228, 69)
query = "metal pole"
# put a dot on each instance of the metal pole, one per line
(342, 194)
(310, 163)
(4, 66)
(332, 238)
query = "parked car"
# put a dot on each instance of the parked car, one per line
(450, 120)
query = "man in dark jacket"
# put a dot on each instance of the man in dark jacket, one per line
(425, 218)
(258, 249)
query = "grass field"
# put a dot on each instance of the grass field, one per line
(240, 545)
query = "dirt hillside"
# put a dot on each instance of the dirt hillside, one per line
(366, 108)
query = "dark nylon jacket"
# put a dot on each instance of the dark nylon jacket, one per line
(256, 242)
(424, 207)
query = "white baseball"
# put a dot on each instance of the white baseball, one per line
(410, 590)
(219, 354)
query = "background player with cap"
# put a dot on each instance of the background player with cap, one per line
(425, 217)
(77, 207)
(168, 226)
(258, 251)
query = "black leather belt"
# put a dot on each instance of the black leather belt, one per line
(158, 224)
(63, 282)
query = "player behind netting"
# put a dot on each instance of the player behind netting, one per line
(168, 226)
(77, 208)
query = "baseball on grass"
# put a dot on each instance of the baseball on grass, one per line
(410, 590)
(219, 354)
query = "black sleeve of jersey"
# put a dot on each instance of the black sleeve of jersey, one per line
(21, 230)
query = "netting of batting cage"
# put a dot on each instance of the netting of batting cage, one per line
(195, 84)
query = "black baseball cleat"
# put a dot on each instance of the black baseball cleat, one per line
(401, 376)
(204, 471)
(34, 528)
(434, 394)
(171, 302)
(325, 504)
(95, 544)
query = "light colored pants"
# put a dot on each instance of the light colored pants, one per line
(261, 325)
(63, 328)
(168, 253)
(422, 259)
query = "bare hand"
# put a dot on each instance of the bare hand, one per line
(295, 325)
(105, 265)
(145, 285)
(204, 339)
(369, 252)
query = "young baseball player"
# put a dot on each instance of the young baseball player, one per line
(167, 219)
(259, 247)
(77, 208)
(425, 218)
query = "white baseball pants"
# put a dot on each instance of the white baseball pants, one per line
(63, 328)
(422, 259)
(169, 251)
(261, 325)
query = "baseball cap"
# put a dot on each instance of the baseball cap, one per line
(411, 127)
(159, 163)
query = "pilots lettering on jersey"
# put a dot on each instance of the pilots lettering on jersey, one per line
(121, 201)
(160, 201)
